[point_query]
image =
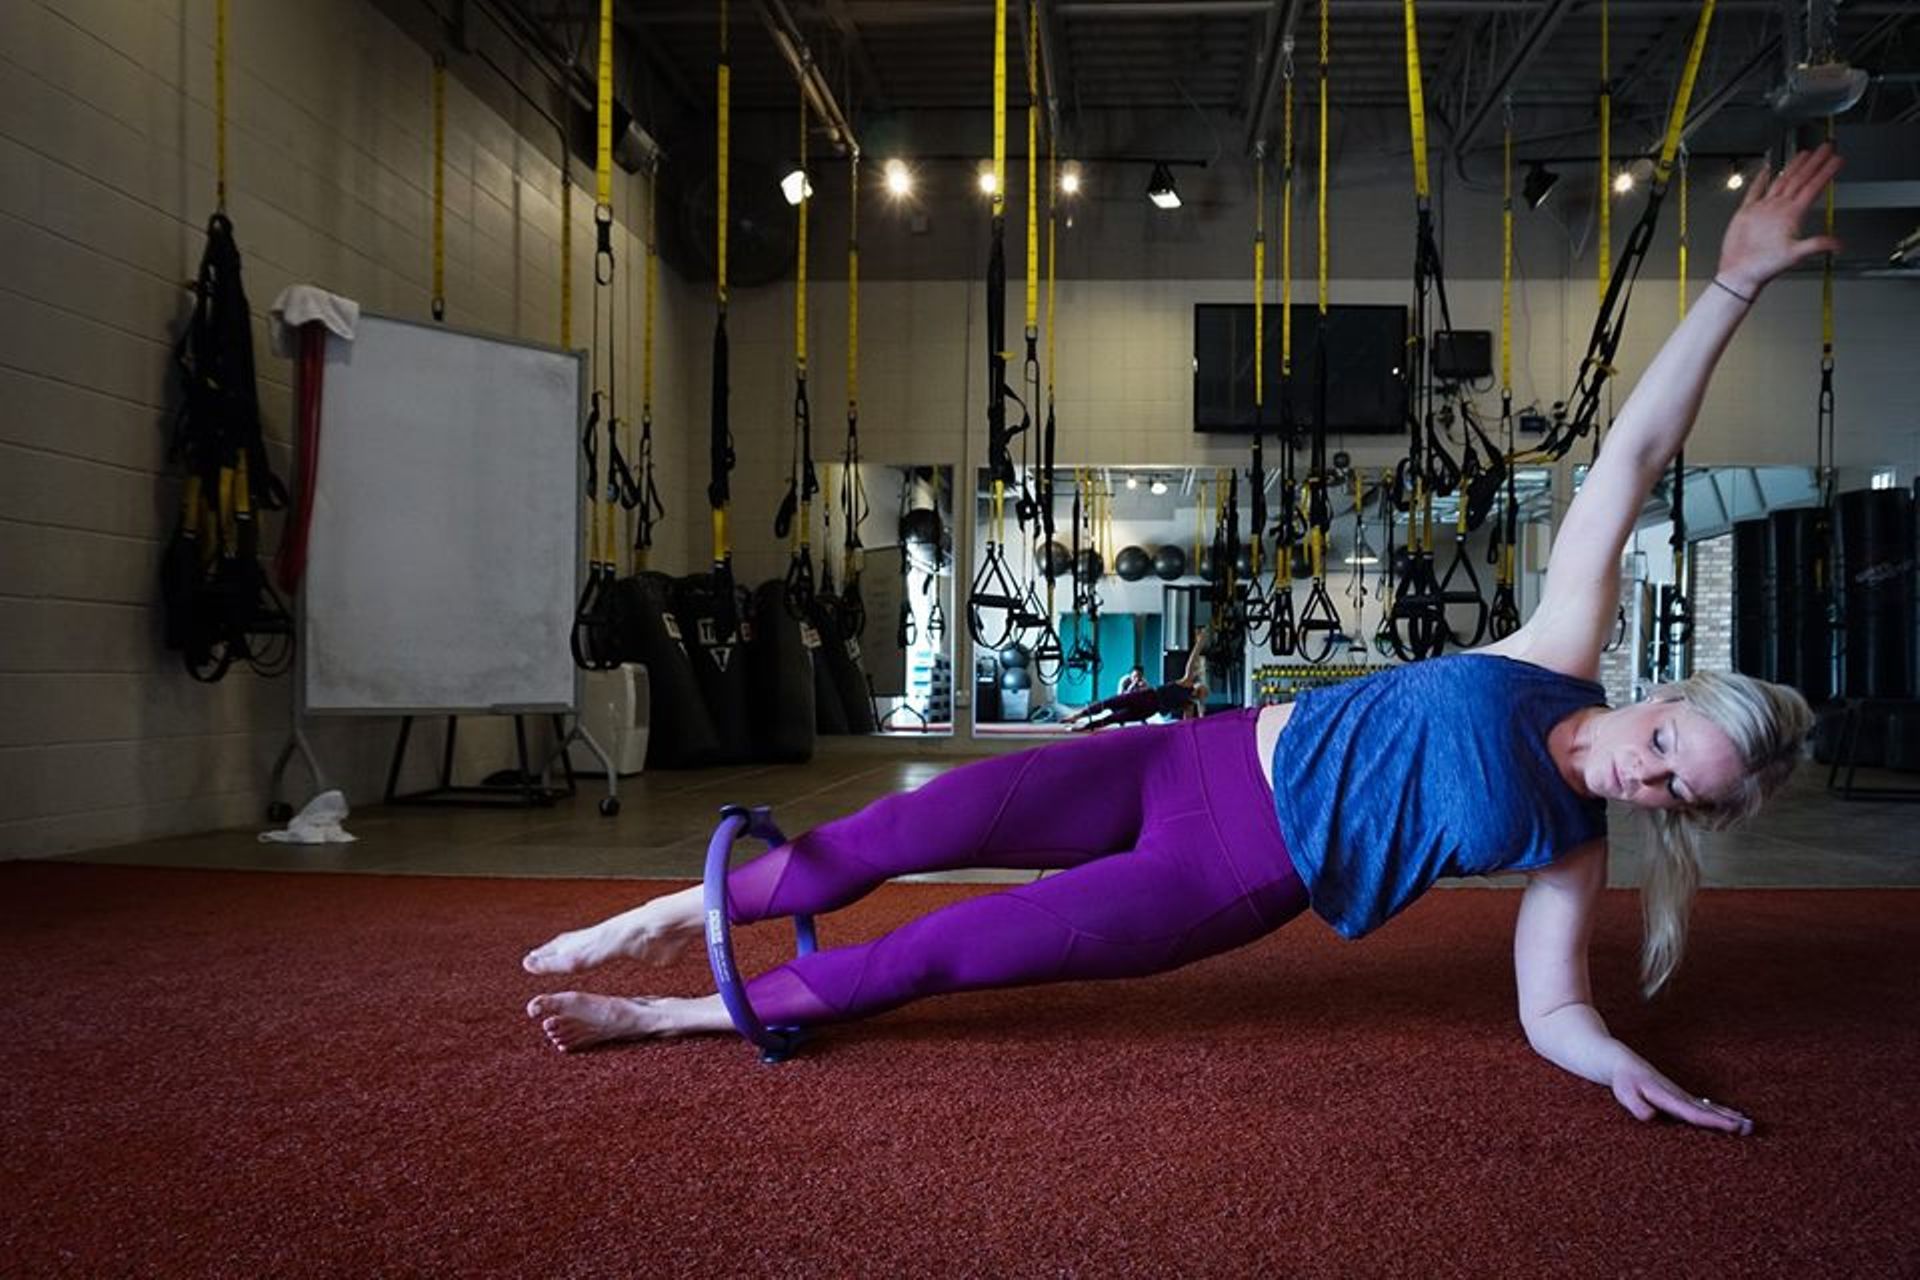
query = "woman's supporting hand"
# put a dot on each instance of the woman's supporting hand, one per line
(1764, 238)
(1646, 1093)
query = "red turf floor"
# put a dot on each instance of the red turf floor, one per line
(229, 1074)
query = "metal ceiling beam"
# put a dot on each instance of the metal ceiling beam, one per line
(1529, 46)
(1282, 16)
(1724, 92)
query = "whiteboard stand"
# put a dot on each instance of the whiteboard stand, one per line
(278, 808)
(444, 561)
(532, 788)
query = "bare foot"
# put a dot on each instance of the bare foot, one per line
(575, 1019)
(657, 931)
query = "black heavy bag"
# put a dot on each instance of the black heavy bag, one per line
(679, 731)
(829, 717)
(1800, 565)
(1754, 618)
(842, 661)
(719, 663)
(779, 680)
(1873, 568)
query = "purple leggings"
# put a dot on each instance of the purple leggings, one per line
(1165, 839)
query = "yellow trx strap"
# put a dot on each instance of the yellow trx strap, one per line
(603, 107)
(1286, 228)
(1419, 148)
(1506, 261)
(220, 104)
(1033, 174)
(1606, 149)
(1681, 236)
(1416, 100)
(999, 200)
(439, 186)
(1677, 118)
(722, 547)
(1259, 280)
(1051, 189)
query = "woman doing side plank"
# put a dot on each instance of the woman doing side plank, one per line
(1174, 842)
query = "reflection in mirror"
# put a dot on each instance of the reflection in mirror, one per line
(1139, 586)
(894, 581)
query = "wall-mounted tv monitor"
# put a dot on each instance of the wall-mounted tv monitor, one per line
(1366, 380)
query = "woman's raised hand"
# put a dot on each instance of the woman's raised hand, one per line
(1646, 1093)
(1764, 238)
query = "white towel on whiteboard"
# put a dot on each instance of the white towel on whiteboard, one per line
(300, 304)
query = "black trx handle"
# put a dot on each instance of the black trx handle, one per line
(1468, 594)
(993, 590)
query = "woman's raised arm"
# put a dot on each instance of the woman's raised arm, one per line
(1577, 606)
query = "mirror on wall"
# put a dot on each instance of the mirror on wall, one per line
(1131, 586)
(898, 632)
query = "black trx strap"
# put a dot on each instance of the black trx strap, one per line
(795, 517)
(995, 603)
(1596, 367)
(647, 492)
(594, 639)
(853, 488)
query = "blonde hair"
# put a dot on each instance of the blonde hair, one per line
(1768, 725)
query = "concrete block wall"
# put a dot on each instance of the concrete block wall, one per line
(106, 181)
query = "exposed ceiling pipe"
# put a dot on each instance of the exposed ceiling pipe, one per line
(1050, 86)
(793, 47)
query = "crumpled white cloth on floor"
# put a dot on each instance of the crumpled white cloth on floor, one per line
(300, 304)
(318, 823)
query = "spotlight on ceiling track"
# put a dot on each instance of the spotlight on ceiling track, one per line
(1735, 178)
(796, 187)
(987, 182)
(1160, 189)
(899, 178)
(1158, 486)
(1623, 182)
(1538, 184)
(1070, 182)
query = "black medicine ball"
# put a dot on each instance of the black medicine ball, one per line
(1170, 562)
(1014, 679)
(1132, 564)
(1015, 656)
(1054, 559)
(1243, 563)
(1090, 568)
(921, 525)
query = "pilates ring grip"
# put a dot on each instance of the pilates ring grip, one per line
(776, 1044)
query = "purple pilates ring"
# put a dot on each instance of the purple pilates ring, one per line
(776, 1044)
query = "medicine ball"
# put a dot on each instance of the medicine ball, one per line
(1090, 567)
(1170, 562)
(1132, 564)
(1014, 679)
(1207, 568)
(1015, 656)
(1054, 559)
(1243, 562)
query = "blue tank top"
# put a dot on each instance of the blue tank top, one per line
(1440, 768)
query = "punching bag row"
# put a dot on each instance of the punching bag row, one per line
(1784, 621)
(757, 696)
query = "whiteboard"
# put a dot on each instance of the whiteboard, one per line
(443, 563)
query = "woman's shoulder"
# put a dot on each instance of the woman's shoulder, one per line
(1529, 645)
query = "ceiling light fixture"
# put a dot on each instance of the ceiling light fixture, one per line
(1160, 188)
(1158, 486)
(1070, 182)
(899, 178)
(1735, 178)
(795, 187)
(1623, 182)
(987, 182)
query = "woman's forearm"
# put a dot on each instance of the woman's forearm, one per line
(1575, 1038)
(1660, 412)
